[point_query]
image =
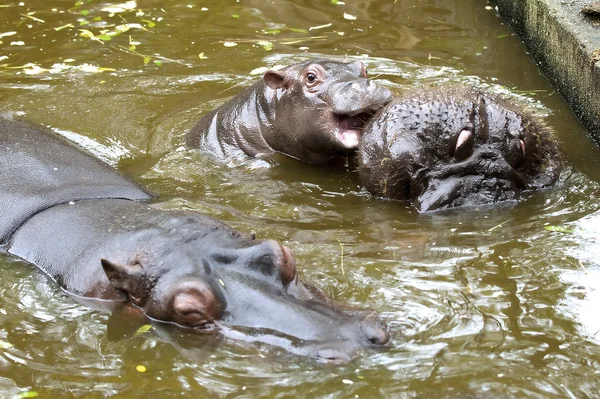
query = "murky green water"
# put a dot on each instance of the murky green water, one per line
(482, 303)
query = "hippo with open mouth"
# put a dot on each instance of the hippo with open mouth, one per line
(311, 111)
(456, 146)
(86, 227)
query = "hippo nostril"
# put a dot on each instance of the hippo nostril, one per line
(376, 333)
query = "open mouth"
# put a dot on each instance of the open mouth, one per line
(350, 127)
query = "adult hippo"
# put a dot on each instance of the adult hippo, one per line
(456, 146)
(83, 224)
(311, 111)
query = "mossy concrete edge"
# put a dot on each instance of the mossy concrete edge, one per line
(566, 45)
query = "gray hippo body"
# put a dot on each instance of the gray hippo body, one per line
(83, 224)
(456, 146)
(311, 111)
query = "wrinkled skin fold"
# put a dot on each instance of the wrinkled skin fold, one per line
(311, 111)
(455, 146)
(179, 267)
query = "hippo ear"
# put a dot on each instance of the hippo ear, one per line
(128, 278)
(274, 79)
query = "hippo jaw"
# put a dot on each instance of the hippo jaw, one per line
(348, 128)
(353, 105)
(483, 179)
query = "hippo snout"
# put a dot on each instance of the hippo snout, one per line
(355, 97)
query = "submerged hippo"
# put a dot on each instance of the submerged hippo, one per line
(456, 146)
(311, 111)
(83, 224)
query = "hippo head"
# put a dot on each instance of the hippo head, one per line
(450, 147)
(207, 277)
(322, 107)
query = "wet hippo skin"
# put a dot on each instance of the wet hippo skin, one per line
(311, 111)
(93, 236)
(455, 146)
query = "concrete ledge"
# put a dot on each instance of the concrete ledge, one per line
(566, 45)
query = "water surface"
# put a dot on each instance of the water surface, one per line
(482, 303)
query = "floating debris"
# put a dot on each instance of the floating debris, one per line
(117, 8)
(5, 345)
(320, 26)
(143, 329)
(559, 229)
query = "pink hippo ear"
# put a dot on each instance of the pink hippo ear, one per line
(274, 79)
(128, 278)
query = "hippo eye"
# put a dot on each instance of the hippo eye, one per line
(311, 77)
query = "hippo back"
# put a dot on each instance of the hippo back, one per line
(39, 169)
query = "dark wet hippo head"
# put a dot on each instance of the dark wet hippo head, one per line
(204, 276)
(452, 146)
(322, 108)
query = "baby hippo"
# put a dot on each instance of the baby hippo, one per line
(456, 146)
(311, 111)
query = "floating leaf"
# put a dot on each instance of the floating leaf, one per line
(140, 368)
(82, 23)
(98, 19)
(349, 17)
(86, 33)
(266, 45)
(149, 24)
(230, 44)
(269, 31)
(298, 30)
(143, 329)
(559, 229)
(84, 12)
(5, 345)
(128, 6)
(28, 394)
(202, 56)
(235, 16)
(157, 62)
(124, 28)
(502, 36)
(147, 60)
(106, 37)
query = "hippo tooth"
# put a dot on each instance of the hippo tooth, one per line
(349, 138)
(522, 145)
(463, 137)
